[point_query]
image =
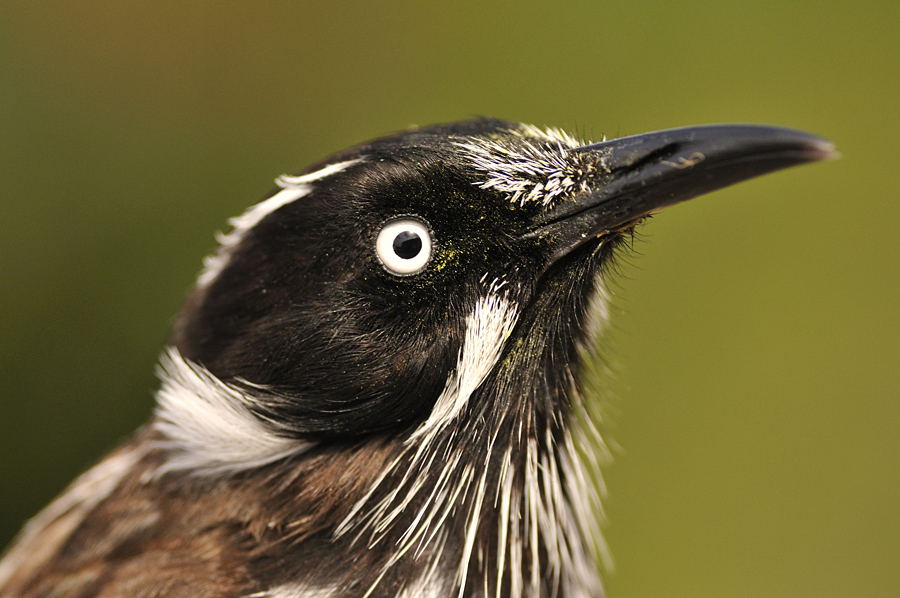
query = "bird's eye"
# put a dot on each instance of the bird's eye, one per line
(404, 246)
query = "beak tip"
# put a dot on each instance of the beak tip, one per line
(827, 151)
(819, 149)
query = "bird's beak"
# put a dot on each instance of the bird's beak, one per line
(644, 173)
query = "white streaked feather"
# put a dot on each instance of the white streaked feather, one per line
(46, 533)
(545, 525)
(293, 188)
(532, 512)
(209, 425)
(596, 318)
(505, 490)
(471, 533)
(487, 328)
(551, 134)
(433, 583)
(295, 590)
(553, 516)
(539, 168)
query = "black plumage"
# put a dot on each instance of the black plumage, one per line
(374, 389)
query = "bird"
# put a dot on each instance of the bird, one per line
(376, 387)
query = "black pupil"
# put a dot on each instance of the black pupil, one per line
(407, 245)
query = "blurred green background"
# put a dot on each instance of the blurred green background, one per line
(756, 333)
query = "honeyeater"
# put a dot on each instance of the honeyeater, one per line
(376, 387)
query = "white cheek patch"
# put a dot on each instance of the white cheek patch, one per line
(487, 328)
(209, 426)
(293, 188)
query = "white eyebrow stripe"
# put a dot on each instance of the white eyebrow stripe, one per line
(292, 189)
(286, 181)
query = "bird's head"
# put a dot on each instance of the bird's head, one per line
(355, 290)
(431, 292)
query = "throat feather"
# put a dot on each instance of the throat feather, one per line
(493, 494)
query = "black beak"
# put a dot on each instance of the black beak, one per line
(651, 171)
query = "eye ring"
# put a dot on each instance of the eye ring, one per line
(404, 245)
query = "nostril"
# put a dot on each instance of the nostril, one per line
(654, 157)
